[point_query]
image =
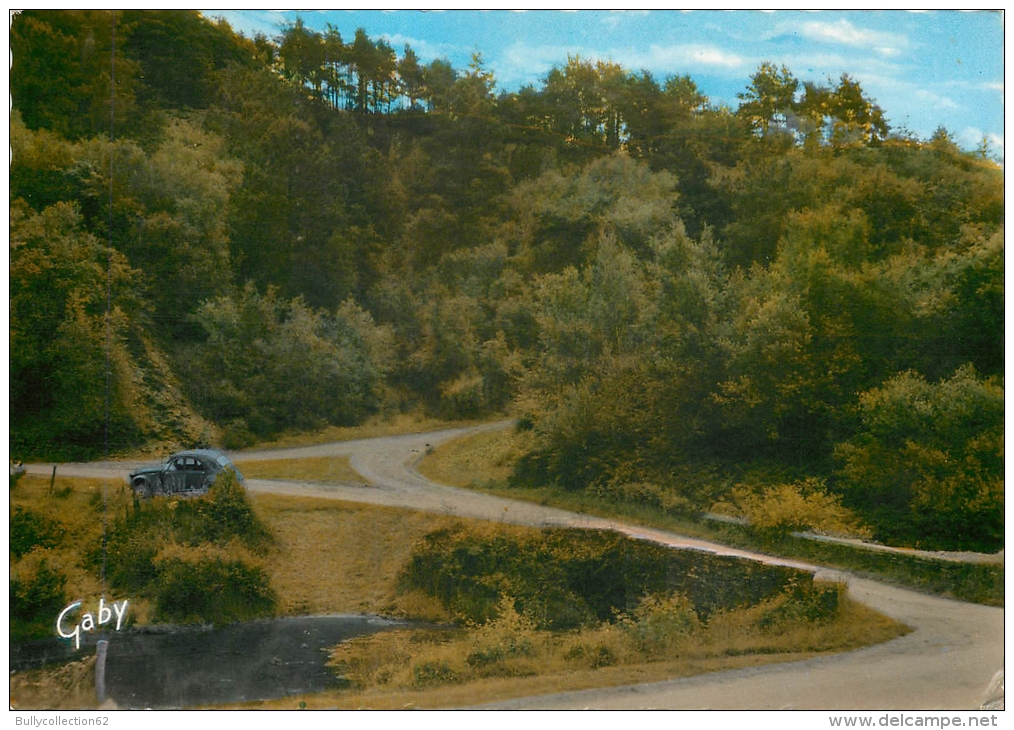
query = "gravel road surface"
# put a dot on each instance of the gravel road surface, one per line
(946, 662)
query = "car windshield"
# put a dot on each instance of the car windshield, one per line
(223, 460)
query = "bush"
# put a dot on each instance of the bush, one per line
(36, 597)
(508, 636)
(796, 507)
(926, 468)
(662, 623)
(566, 578)
(198, 586)
(812, 602)
(428, 674)
(194, 557)
(644, 493)
(29, 530)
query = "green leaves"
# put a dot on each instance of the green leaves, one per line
(277, 365)
(927, 461)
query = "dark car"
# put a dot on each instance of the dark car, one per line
(188, 473)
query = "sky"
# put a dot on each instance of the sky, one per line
(924, 69)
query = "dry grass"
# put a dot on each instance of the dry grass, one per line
(376, 427)
(335, 557)
(79, 507)
(69, 686)
(401, 669)
(342, 557)
(478, 459)
(323, 470)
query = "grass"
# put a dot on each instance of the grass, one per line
(506, 659)
(343, 557)
(76, 508)
(480, 459)
(335, 557)
(69, 686)
(484, 460)
(381, 425)
(322, 470)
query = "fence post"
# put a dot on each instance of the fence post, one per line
(100, 670)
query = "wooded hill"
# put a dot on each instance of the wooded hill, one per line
(784, 304)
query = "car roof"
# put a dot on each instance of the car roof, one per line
(207, 453)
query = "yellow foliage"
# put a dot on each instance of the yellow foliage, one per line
(798, 506)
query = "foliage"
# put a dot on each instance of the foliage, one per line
(796, 507)
(201, 586)
(286, 234)
(29, 529)
(36, 597)
(278, 365)
(661, 635)
(927, 461)
(661, 624)
(567, 578)
(195, 558)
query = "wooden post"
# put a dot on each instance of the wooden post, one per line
(52, 481)
(100, 670)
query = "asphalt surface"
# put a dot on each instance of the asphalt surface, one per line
(947, 662)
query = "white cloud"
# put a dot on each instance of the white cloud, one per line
(677, 58)
(425, 50)
(615, 17)
(525, 62)
(970, 138)
(932, 99)
(844, 33)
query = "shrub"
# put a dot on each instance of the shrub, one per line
(427, 674)
(644, 493)
(926, 467)
(206, 586)
(795, 507)
(36, 597)
(508, 636)
(662, 623)
(29, 529)
(463, 397)
(567, 578)
(194, 557)
(812, 602)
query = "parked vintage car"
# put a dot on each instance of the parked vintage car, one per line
(187, 473)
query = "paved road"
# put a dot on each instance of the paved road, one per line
(946, 662)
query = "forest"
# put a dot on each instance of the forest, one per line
(783, 306)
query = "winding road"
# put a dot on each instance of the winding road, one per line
(949, 661)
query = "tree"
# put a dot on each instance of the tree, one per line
(64, 340)
(769, 98)
(336, 69)
(926, 466)
(269, 364)
(438, 79)
(302, 52)
(363, 59)
(62, 70)
(178, 53)
(855, 118)
(411, 74)
(472, 93)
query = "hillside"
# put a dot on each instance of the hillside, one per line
(785, 308)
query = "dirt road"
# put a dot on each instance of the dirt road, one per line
(947, 661)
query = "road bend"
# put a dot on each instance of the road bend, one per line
(946, 662)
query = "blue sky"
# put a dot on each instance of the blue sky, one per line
(925, 69)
